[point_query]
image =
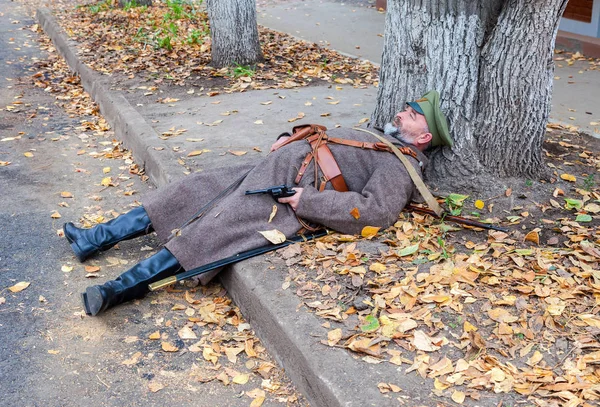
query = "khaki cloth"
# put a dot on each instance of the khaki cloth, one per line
(379, 187)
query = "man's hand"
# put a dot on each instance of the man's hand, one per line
(278, 143)
(292, 200)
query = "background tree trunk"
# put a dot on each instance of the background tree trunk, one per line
(234, 32)
(492, 64)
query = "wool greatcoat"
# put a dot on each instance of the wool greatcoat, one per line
(379, 187)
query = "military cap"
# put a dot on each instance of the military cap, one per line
(429, 106)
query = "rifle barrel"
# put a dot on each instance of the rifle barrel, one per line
(456, 219)
(233, 259)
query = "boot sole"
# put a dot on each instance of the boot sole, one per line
(92, 300)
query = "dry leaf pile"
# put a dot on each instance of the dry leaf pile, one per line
(203, 324)
(513, 313)
(162, 44)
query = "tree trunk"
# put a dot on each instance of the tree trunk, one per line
(492, 63)
(234, 32)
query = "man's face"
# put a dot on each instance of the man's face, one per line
(410, 123)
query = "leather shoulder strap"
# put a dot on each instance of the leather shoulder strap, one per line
(302, 132)
(428, 196)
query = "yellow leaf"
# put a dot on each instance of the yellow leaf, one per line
(355, 213)
(106, 170)
(377, 267)
(325, 114)
(568, 177)
(241, 378)
(66, 269)
(19, 287)
(167, 347)
(369, 231)
(55, 215)
(458, 397)
(273, 213)
(468, 327)
(535, 358)
(257, 402)
(53, 352)
(106, 181)
(154, 335)
(4, 163)
(238, 153)
(334, 336)
(591, 320)
(501, 315)
(363, 120)
(274, 236)
(479, 204)
(28, 154)
(66, 194)
(258, 122)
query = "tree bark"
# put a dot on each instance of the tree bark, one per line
(234, 32)
(492, 63)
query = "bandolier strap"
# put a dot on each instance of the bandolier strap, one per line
(315, 135)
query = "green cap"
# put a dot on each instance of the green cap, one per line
(429, 106)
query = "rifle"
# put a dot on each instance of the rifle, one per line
(456, 219)
(233, 259)
(280, 191)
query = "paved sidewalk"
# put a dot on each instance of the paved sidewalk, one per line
(576, 87)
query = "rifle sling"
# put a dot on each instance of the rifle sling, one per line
(428, 196)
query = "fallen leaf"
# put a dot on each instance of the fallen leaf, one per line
(533, 236)
(334, 336)
(55, 215)
(274, 236)
(168, 347)
(187, 333)
(369, 231)
(154, 335)
(241, 378)
(66, 269)
(53, 351)
(28, 154)
(568, 177)
(479, 204)
(66, 194)
(258, 122)
(155, 386)
(273, 213)
(237, 153)
(458, 397)
(195, 153)
(423, 342)
(20, 286)
(91, 269)
(355, 213)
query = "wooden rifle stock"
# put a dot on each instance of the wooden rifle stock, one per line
(455, 219)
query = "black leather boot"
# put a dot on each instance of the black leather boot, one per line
(130, 285)
(87, 242)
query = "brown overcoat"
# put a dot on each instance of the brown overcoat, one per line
(379, 187)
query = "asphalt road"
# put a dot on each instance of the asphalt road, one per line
(52, 163)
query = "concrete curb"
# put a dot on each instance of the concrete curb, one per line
(128, 125)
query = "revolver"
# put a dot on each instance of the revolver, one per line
(279, 191)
